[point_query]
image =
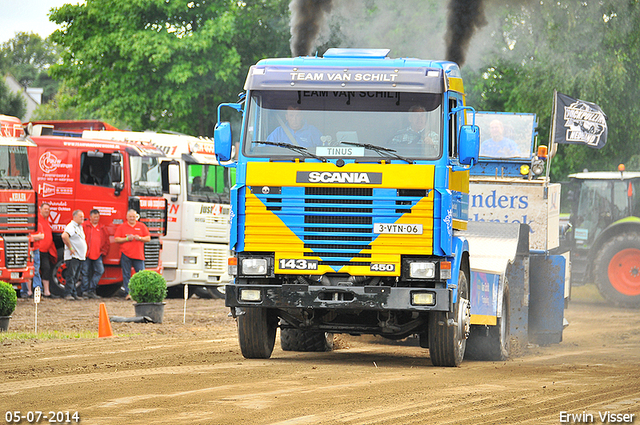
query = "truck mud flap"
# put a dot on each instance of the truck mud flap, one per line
(546, 305)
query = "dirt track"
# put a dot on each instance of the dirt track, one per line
(193, 373)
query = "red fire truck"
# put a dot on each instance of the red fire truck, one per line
(71, 173)
(17, 204)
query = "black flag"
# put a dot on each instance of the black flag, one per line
(579, 122)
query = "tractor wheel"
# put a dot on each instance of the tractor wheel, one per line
(617, 270)
(301, 340)
(256, 333)
(448, 331)
(492, 342)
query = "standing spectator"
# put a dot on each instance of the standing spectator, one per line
(47, 248)
(75, 251)
(131, 236)
(37, 281)
(98, 246)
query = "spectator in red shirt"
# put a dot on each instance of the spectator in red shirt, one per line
(98, 243)
(25, 289)
(48, 253)
(131, 236)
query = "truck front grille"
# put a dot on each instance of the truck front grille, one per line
(215, 259)
(152, 254)
(16, 251)
(154, 220)
(336, 224)
(17, 218)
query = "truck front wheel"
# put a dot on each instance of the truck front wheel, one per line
(448, 331)
(256, 333)
(618, 270)
(301, 340)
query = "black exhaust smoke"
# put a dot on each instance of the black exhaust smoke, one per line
(464, 18)
(307, 18)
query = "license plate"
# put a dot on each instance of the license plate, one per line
(15, 275)
(297, 264)
(398, 229)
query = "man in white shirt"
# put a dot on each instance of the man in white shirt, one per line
(75, 252)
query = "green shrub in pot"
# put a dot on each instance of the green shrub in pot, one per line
(148, 286)
(8, 299)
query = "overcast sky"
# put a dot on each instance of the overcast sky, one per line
(27, 16)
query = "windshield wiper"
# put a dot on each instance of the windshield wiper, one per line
(299, 149)
(380, 150)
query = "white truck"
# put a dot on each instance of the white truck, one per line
(196, 247)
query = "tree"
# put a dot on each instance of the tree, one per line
(10, 103)
(588, 50)
(27, 57)
(163, 65)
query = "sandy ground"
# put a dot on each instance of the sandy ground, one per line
(173, 373)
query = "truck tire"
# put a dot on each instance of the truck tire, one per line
(448, 331)
(210, 292)
(256, 333)
(491, 343)
(308, 341)
(106, 291)
(58, 280)
(618, 270)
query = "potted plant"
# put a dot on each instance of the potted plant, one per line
(148, 289)
(8, 299)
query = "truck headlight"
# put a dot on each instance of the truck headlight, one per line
(422, 270)
(250, 295)
(254, 266)
(189, 260)
(423, 298)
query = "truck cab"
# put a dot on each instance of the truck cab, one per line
(196, 187)
(17, 204)
(72, 173)
(345, 215)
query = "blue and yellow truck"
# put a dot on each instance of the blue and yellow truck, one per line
(350, 203)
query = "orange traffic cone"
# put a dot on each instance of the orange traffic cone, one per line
(104, 327)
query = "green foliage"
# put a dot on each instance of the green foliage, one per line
(147, 286)
(587, 50)
(8, 299)
(11, 103)
(162, 65)
(28, 57)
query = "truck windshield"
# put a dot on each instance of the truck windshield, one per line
(146, 176)
(14, 168)
(601, 203)
(410, 124)
(209, 183)
(506, 135)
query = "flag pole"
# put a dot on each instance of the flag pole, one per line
(552, 135)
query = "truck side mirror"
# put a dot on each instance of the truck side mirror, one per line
(174, 178)
(469, 144)
(116, 172)
(222, 141)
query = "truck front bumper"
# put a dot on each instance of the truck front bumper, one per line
(336, 297)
